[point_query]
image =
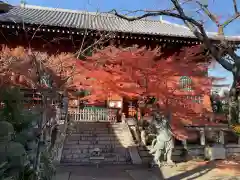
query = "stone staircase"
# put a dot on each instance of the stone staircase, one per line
(112, 139)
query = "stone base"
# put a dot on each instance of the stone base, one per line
(216, 152)
(97, 160)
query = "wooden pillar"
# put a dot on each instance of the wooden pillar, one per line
(202, 137)
(221, 137)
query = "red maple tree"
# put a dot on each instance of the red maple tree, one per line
(140, 73)
(130, 72)
(24, 68)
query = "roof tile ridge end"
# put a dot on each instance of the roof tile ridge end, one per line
(67, 10)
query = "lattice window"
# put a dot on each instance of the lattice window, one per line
(185, 83)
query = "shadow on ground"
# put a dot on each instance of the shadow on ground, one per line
(194, 173)
(130, 172)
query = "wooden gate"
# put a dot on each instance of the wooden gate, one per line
(93, 114)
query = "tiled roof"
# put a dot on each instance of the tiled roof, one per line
(36, 15)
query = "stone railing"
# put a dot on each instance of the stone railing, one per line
(189, 151)
(217, 129)
(179, 153)
(193, 152)
(233, 150)
(219, 149)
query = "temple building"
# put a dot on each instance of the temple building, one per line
(61, 30)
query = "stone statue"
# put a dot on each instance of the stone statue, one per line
(96, 152)
(163, 143)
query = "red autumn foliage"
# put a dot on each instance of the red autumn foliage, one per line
(138, 73)
(131, 72)
(21, 67)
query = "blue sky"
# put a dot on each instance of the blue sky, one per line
(222, 8)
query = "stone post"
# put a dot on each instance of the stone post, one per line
(123, 118)
(143, 137)
(202, 137)
(184, 142)
(221, 137)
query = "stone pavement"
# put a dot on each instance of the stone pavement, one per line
(106, 173)
(183, 171)
(214, 170)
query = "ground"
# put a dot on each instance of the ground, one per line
(220, 170)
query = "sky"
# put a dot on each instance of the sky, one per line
(222, 8)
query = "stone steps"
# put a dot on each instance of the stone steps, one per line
(99, 134)
(112, 139)
(82, 149)
(79, 157)
(97, 144)
(76, 137)
(98, 131)
(99, 139)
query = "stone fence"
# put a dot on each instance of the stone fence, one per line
(210, 138)
(233, 150)
(193, 152)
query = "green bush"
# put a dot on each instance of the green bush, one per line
(20, 141)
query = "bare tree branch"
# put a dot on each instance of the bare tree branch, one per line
(208, 13)
(196, 27)
(235, 7)
(152, 14)
(216, 53)
(236, 16)
(220, 26)
(79, 53)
